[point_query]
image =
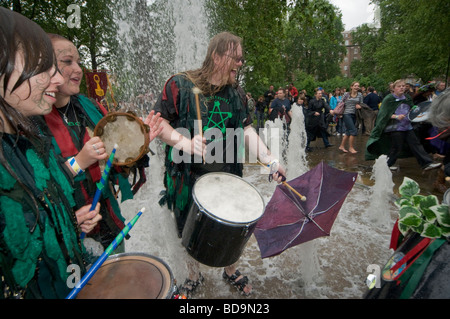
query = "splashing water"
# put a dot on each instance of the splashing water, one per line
(296, 156)
(382, 192)
(328, 267)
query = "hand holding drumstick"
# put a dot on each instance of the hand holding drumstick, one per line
(282, 178)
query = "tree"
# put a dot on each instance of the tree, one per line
(314, 39)
(95, 38)
(260, 24)
(416, 38)
(368, 39)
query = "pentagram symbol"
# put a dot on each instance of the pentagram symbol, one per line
(221, 117)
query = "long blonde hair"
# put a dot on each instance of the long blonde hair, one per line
(219, 45)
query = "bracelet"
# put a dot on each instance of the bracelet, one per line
(274, 165)
(273, 162)
(76, 168)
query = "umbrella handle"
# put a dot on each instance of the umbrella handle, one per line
(283, 179)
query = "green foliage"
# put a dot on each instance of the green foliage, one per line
(368, 40)
(284, 41)
(313, 39)
(421, 214)
(259, 24)
(416, 35)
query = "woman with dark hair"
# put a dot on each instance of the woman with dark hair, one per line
(39, 230)
(69, 123)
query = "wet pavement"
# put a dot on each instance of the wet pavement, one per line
(356, 163)
(333, 267)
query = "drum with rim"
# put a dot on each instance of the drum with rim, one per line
(222, 218)
(128, 132)
(130, 276)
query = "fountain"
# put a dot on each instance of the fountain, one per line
(381, 190)
(328, 267)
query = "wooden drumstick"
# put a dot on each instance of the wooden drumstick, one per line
(197, 91)
(303, 198)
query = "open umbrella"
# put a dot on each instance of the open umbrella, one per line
(420, 112)
(289, 221)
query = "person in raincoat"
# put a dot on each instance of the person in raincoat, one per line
(393, 130)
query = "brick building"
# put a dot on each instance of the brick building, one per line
(353, 52)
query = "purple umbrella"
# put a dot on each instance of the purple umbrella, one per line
(289, 221)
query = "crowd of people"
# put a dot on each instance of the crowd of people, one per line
(364, 110)
(49, 158)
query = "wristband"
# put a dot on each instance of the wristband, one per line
(76, 168)
(274, 164)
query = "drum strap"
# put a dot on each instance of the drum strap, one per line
(411, 278)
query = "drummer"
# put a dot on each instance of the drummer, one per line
(393, 130)
(223, 106)
(71, 123)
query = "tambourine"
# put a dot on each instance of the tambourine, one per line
(128, 132)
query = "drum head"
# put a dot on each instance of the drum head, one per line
(228, 197)
(130, 276)
(128, 132)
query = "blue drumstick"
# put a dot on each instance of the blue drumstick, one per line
(98, 263)
(101, 184)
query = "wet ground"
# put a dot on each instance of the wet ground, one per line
(356, 163)
(326, 268)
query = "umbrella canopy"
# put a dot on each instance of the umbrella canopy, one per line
(288, 221)
(420, 113)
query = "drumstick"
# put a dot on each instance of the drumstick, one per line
(103, 257)
(101, 184)
(303, 198)
(197, 91)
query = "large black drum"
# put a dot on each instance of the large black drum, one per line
(222, 218)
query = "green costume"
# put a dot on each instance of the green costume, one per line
(226, 109)
(379, 142)
(68, 139)
(37, 240)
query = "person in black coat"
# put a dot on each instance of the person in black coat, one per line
(315, 123)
